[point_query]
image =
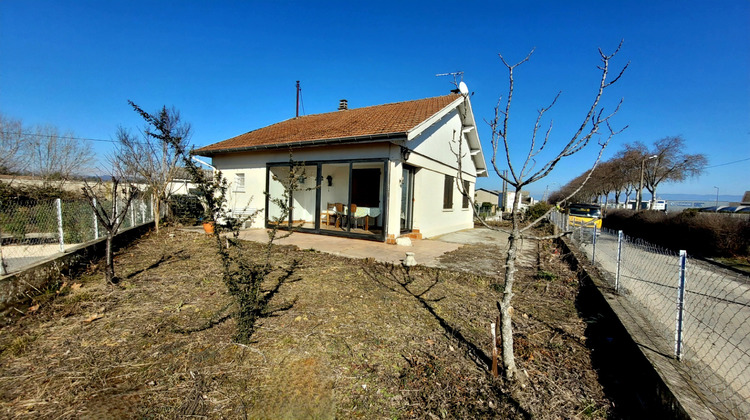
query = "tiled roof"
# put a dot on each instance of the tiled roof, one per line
(388, 119)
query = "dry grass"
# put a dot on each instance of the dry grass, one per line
(363, 340)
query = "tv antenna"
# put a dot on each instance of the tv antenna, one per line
(458, 81)
(455, 75)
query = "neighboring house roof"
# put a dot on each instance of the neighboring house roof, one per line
(181, 174)
(494, 192)
(380, 121)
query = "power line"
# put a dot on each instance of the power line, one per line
(57, 135)
(727, 163)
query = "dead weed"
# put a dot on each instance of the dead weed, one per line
(363, 340)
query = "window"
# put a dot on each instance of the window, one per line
(467, 190)
(448, 193)
(239, 182)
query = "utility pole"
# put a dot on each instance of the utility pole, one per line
(716, 208)
(505, 189)
(297, 113)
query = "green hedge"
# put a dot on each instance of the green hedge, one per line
(703, 234)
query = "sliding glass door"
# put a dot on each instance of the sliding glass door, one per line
(407, 198)
(345, 198)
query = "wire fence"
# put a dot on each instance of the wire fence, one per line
(32, 230)
(700, 312)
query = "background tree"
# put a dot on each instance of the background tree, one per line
(519, 176)
(627, 170)
(42, 150)
(12, 138)
(577, 190)
(671, 164)
(152, 158)
(612, 177)
(54, 156)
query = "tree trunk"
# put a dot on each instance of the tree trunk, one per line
(109, 269)
(506, 325)
(157, 212)
(506, 309)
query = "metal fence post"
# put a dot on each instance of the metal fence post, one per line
(593, 251)
(58, 204)
(680, 319)
(96, 222)
(132, 214)
(3, 271)
(619, 260)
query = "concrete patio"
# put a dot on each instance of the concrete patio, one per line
(426, 251)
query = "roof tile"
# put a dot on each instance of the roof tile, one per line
(392, 118)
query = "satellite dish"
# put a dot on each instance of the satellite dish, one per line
(463, 88)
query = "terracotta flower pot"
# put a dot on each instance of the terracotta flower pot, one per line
(208, 227)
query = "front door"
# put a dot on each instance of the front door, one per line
(407, 198)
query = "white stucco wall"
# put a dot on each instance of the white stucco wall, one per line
(429, 216)
(434, 153)
(440, 143)
(253, 165)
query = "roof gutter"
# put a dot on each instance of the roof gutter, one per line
(369, 138)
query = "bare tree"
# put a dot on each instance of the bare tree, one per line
(610, 177)
(671, 164)
(54, 156)
(12, 138)
(150, 156)
(110, 212)
(627, 170)
(519, 176)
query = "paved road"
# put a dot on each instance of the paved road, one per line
(717, 320)
(16, 257)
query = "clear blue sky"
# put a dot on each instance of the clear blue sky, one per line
(230, 67)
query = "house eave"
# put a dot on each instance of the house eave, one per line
(417, 130)
(369, 138)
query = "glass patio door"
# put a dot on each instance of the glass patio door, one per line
(342, 198)
(407, 198)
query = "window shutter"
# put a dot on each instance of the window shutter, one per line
(448, 193)
(467, 190)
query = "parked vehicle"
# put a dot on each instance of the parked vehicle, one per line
(585, 215)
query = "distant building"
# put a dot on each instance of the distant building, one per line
(525, 201)
(482, 196)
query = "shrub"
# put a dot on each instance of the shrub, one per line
(186, 209)
(536, 211)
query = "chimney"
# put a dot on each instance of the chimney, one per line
(343, 105)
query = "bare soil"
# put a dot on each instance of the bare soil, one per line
(361, 340)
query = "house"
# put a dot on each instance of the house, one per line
(377, 172)
(482, 196)
(524, 202)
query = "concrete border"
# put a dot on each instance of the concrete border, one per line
(670, 382)
(15, 287)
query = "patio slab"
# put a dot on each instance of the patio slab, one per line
(426, 251)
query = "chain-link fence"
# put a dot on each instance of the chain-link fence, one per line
(31, 230)
(700, 312)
